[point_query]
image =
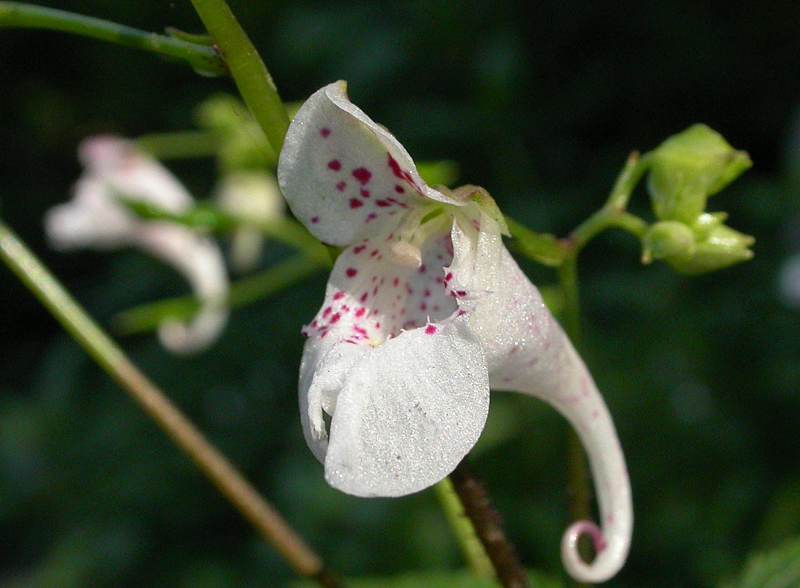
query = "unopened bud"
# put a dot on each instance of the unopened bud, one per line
(689, 167)
(667, 239)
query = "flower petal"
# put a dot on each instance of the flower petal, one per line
(344, 176)
(527, 351)
(409, 411)
(95, 218)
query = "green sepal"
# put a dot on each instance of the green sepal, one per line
(667, 239)
(689, 167)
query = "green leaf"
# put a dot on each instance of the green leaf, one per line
(778, 568)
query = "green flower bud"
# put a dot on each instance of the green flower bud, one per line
(667, 239)
(689, 167)
(716, 246)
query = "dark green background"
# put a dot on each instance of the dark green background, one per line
(538, 102)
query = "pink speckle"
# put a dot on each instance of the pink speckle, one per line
(426, 293)
(314, 220)
(396, 282)
(326, 312)
(359, 248)
(377, 325)
(423, 268)
(373, 253)
(335, 318)
(423, 306)
(345, 308)
(325, 132)
(351, 272)
(363, 297)
(383, 203)
(399, 189)
(338, 296)
(431, 330)
(365, 192)
(448, 277)
(362, 175)
(355, 203)
(360, 312)
(335, 164)
(371, 216)
(341, 186)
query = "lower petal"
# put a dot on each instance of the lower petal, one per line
(409, 411)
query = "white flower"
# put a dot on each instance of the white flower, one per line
(96, 218)
(254, 197)
(424, 311)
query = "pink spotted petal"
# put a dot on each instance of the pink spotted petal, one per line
(346, 171)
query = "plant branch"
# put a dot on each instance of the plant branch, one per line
(203, 59)
(148, 317)
(266, 520)
(246, 68)
(489, 527)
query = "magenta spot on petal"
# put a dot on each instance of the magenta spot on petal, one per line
(364, 297)
(461, 312)
(351, 272)
(359, 248)
(341, 186)
(335, 318)
(423, 268)
(345, 308)
(448, 277)
(314, 220)
(335, 164)
(365, 192)
(383, 203)
(377, 325)
(423, 306)
(326, 312)
(362, 174)
(426, 293)
(325, 132)
(396, 282)
(371, 216)
(338, 296)
(360, 312)
(373, 253)
(399, 189)
(430, 330)
(355, 203)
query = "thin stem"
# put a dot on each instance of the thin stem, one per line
(489, 527)
(148, 317)
(181, 144)
(266, 520)
(471, 547)
(247, 69)
(203, 59)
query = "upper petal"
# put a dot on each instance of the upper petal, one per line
(344, 176)
(409, 411)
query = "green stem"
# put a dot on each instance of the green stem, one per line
(208, 217)
(247, 69)
(264, 518)
(203, 59)
(461, 526)
(181, 144)
(148, 317)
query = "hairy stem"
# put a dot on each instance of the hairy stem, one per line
(461, 526)
(247, 69)
(489, 527)
(267, 521)
(203, 59)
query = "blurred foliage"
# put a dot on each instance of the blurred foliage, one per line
(779, 568)
(538, 102)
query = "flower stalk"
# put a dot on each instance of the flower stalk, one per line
(228, 480)
(201, 58)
